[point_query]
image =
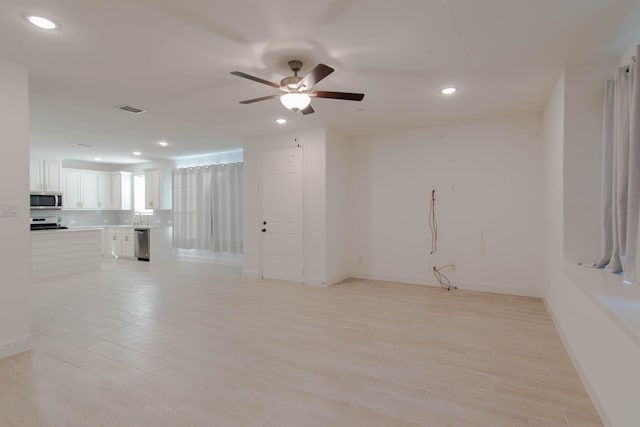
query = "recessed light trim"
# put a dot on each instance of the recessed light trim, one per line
(281, 121)
(97, 159)
(137, 153)
(448, 90)
(163, 144)
(43, 23)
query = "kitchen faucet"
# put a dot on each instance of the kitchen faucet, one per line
(134, 218)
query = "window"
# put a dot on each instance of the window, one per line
(138, 195)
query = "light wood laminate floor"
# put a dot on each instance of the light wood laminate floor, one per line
(192, 344)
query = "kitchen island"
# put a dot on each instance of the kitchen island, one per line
(61, 252)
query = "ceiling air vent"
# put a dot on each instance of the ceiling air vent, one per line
(130, 109)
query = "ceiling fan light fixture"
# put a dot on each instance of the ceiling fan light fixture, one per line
(295, 101)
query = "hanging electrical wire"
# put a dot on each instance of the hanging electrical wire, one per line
(433, 226)
(432, 223)
(442, 279)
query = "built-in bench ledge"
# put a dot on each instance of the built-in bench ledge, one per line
(619, 300)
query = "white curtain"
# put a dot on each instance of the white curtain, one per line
(227, 208)
(621, 173)
(608, 135)
(207, 208)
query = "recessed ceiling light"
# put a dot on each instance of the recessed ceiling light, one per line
(137, 153)
(97, 159)
(448, 91)
(44, 23)
(163, 143)
(281, 121)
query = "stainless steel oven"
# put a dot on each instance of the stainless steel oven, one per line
(46, 223)
(46, 200)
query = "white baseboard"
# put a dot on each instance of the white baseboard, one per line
(338, 279)
(248, 274)
(471, 286)
(488, 287)
(10, 348)
(315, 281)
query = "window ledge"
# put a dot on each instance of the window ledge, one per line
(620, 301)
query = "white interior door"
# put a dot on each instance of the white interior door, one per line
(282, 195)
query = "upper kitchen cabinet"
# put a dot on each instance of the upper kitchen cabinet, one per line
(80, 189)
(121, 190)
(104, 191)
(157, 191)
(90, 189)
(45, 175)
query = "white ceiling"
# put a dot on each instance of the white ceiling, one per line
(173, 58)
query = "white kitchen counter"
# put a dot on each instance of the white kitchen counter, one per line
(94, 227)
(66, 230)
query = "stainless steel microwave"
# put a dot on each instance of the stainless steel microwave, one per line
(46, 200)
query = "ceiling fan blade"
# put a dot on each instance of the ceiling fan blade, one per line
(308, 110)
(318, 73)
(338, 95)
(255, 79)
(264, 98)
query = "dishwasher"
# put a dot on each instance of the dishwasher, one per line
(141, 244)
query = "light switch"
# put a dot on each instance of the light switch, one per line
(8, 210)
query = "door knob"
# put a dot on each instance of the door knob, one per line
(264, 230)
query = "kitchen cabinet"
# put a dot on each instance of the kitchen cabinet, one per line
(80, 189)
(104, 198)
(72, 197)
(157, 189)
(127, 241)
(88, 189)
(45, 175)
(121, 242)
(121, 190)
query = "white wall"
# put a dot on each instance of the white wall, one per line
(15, 254)
(553, 167)
(584, 95)
(315, 214)
(338, 208)
(605, 354)
(488, 182)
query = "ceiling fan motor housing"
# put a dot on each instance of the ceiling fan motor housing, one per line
(291, 82)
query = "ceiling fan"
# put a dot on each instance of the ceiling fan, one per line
(297, 91)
